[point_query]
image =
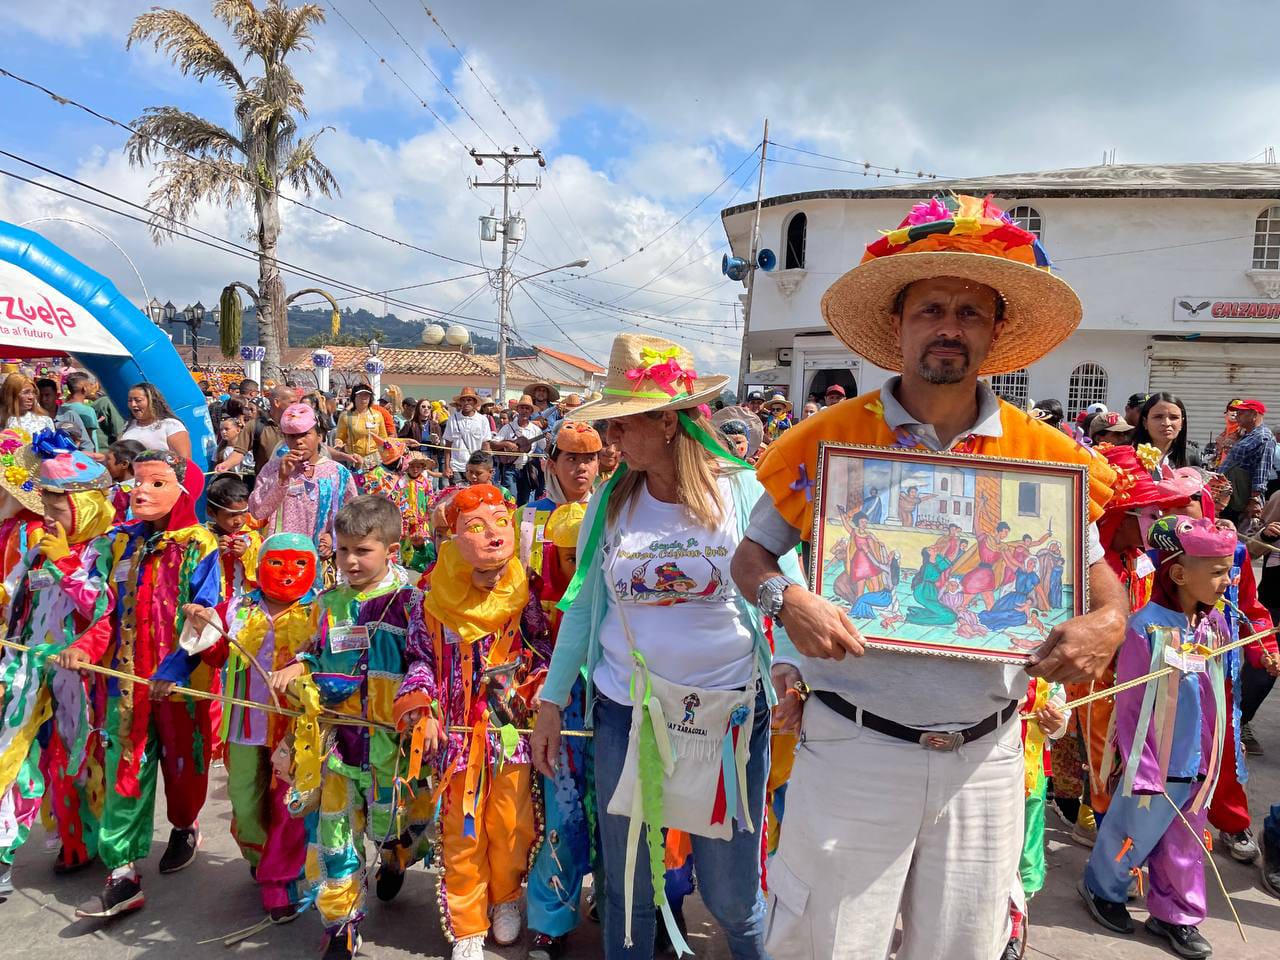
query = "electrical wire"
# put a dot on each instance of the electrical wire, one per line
(564, 333)
(69, 102)
(866, 173)
(223, 245)
(865, 164)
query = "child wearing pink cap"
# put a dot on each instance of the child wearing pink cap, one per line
(301, 490)
(1168, 738)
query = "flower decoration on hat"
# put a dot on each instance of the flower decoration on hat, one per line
(963, 224)
(662, 368)
(1149, 455)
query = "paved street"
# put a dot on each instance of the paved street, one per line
(214, 897)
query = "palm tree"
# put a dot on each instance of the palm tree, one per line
(200, 161)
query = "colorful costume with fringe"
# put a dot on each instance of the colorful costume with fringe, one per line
(357, 663)
(46, 739)
(416, 511)
(1169, 737)
(489, 821)
(155, 573)
(306, 505)
(1035, 741)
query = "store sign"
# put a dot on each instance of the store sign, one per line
(1199, 309)
(35, 316)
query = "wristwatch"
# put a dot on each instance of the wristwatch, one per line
(769, 595)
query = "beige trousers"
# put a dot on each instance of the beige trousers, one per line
(876, 827)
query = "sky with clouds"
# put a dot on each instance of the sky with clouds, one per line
(643, 110)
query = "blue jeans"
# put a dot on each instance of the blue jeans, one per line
(728, 870)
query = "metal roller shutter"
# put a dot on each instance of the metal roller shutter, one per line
(1206, 375)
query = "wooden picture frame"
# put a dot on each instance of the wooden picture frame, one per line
(950, 554)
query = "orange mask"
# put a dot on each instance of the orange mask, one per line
(286, 567)
(482, 528)
(155, 492)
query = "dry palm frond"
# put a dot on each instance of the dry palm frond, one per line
(181, 185)
(304, 171)
(297, 30)
(182, 131)
(185, 42)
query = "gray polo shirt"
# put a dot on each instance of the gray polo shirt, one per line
(918, 690)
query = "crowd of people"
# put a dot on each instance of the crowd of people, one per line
(461, 634)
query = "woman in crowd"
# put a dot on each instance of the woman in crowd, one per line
(361, 430)
(635, 611)
(422, 429)
(1163, 425)
(20, 405)
(153, 424)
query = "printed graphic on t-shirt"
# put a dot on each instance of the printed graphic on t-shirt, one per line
(673, 571)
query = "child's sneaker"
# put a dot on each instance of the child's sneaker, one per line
(1269, 865)
(1113, 916)
(1185, 940)
(506, 923)
(469, 948)
(6, 882)
(120, 895)
(181, 851)
(1085, 830)
(1241, 846)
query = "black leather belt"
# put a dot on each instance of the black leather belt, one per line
(943, 740)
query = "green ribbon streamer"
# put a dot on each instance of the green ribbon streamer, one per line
(592, 548)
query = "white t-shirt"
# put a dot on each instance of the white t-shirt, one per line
(672, 578)
(466, 435)
(154, 436)
(513, 431)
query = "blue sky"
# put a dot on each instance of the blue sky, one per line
(641, 111)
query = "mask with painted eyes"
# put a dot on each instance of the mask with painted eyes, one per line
(156, 490)
(485, 535)
(287, 565)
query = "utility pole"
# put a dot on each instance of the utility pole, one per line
(507, 227)
(745, 360)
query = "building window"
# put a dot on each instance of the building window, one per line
(1088, 385)
(1028, 499)
(797, 227)
(1029, 219)
(944, 483)
(1266, 240)
(1012, 387)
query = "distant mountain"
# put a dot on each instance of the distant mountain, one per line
(311, 328)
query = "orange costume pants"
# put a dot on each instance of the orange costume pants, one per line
(1094, 720)
(487, 869)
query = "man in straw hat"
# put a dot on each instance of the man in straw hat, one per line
(886, 815)
(467, 432)
(511, 451)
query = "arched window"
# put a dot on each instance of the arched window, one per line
(1028, 218)
(797, 227)
(1012, 387)
(1088, 385)
(1266, 240)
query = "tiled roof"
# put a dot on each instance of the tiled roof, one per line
(575, 361)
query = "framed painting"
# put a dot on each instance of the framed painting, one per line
(949, 554)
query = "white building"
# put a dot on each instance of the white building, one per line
(1178, 268)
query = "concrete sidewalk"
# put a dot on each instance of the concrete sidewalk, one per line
(215, 897)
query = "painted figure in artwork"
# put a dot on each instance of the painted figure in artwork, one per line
(1050, 564)
(1017, 607)
(867, 580)
(931, 610)
(1021, 551)
(992, 554)
(957, 601)
(909, 501)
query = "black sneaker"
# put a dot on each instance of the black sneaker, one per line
(1113, 916)
(120, 895)
(6, 882)
(181, 850)
(543, 946)
(387, 882)
(340, 949)
(1012, 950)
(1185, 940)
(1269, 865)
(1252, 748)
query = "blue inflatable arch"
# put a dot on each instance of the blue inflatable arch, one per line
(151, 354)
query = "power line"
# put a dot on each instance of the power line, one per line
(632, 286)
(698, 323)
(382, 293)
(222, 244)
(69, 102)
(866, 173)
(438, 79)
(865, 164)
(555, 323)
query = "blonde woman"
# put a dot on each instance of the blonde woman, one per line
(659, 578)
(20, 405)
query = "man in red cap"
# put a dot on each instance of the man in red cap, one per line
(1248, 465)
(835, 393)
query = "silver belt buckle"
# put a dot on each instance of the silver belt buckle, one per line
(941, 741)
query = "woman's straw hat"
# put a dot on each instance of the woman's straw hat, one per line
(965, 237)
(648, 374)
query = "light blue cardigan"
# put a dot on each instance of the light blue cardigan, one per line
(578, 642)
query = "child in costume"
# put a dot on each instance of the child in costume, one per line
(159, 562)
(1169, 736)
(357, 661)
(565, 856)
(20, 507)
(384, 479)
(777, 419)
(59, 594)
(416, 550)
(486, 635)
(227, 500)
(256, 633)
(119, 463)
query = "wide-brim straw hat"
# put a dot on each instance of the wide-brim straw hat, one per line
(553, 393)
(965, 237)
(647, 374)
(20, 469)
(469, 393)
(776, 400)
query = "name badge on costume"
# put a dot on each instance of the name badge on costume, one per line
(1143, 567)
(39, 580)
(121, 572)
(346, 639)
(297, 489)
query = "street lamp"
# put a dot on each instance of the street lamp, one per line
(502, 319)
(192, 317)
(155, 310)
(170, 312)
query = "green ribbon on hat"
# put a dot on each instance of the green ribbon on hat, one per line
(591, 550)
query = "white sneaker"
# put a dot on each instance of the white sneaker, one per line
(1241, 846)
(506, 923)
(469, 948)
